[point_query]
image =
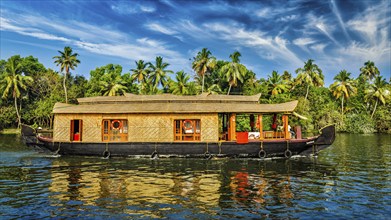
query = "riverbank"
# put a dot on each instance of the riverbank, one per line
(10, 131)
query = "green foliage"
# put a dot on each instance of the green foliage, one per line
(243, 123)
(359, 123)
(382, 119)
(367, 96)
(7, 117)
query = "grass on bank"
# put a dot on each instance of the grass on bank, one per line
(10, 131)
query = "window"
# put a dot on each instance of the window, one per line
(187, 130)
(115, 130)
(76, 130)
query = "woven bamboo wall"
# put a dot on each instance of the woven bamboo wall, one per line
(91, 127)
(142, 127)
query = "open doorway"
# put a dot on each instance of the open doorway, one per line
(76, 130)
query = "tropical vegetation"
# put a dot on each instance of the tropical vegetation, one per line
(29, 90)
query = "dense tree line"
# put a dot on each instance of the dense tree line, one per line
(29, 90)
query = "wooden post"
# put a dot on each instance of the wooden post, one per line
(232, 127)
(285, 124)
(260, 127)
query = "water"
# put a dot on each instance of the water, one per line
(349, 180)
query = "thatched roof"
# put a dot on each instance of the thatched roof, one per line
(170, 98)
(168, 103)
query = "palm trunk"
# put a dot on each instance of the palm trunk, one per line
(306, 95)
(229, 90)
(203, 81)
(374, 108)
(65, 88)
(342, 108)
(17, 111)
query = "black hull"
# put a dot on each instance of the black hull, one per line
(254, 149)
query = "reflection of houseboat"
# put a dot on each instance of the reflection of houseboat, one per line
(169, 125)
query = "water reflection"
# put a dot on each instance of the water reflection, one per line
(351, 179)
(165, 184)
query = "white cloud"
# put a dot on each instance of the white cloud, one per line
(319, 48)
(304, 41)
(125, 8)
(335, 9)
(268, 47)
(147, 9)
(262, 13)
(159, 28)
(92, 38)
(7, 25)
(288, 18)
(371, 22)
(321, 25)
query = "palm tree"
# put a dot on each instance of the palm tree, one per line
(378, 92)
(234, 70)
(112, 84)
(287, 76)
(276, 84)
(181, 85)
(14, 81)
(310, 75)
(203, 64)
(369, 71)
(67, 60)
(158, 72)
(343, 87)
(140, 74)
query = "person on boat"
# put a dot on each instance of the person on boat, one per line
(293, 134)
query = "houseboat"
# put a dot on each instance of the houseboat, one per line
(167, 125)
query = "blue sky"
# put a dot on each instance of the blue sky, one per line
(271, 35)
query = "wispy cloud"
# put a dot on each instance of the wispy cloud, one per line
(321, 24)
(159, 28)
(127, 7)
(335, 9)
(92, 38)
(268, 47)
(8, 25)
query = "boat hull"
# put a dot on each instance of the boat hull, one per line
(253, 149)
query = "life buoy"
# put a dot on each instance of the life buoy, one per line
(188, 126)
(262, 154)
(116, 124)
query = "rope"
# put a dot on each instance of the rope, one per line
(59, 147)
(315, 149)
(106, 153)
(287, 152)
(154, 153)
(261, 153)
(207, 155)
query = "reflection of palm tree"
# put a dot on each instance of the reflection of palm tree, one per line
(369, 71)
(378, 92)
(67, 60)
(343, 87)
(203, 64)
(234, 70)
(158, 72)
(276, 84)
(310, 75)
(14, 82)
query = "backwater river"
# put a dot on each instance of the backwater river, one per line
(349, 180)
